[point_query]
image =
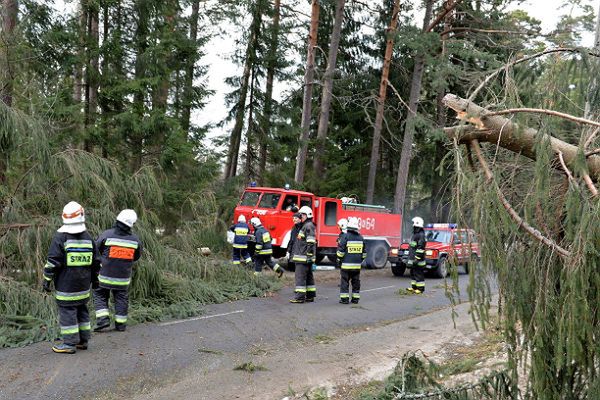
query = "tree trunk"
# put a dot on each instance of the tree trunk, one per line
(250, 173)
(10, 10)
(189, 70)
(91, 75)
(387, 60)
(308, 89)
(265, 130)
(236, 133)
(437, 183)
(78, 74)
(318, 163)
(506, 134)
(592, 103)
(409, 127)
(141, 45)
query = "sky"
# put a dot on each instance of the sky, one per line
(220, 48)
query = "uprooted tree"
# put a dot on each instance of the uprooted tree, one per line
(531, 194)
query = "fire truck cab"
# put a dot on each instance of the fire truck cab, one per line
(276, 206)
(446, 244)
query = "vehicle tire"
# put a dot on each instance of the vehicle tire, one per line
(442, 268)
(377, 255)
(398, 269)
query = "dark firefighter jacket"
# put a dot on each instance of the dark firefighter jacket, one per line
(305, 246)
(293, 237)
(72, 264)
(416, 247)
(119, 248)
(263, 241)
(241, 230)
(351, 250)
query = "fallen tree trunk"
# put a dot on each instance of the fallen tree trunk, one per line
(507, 134)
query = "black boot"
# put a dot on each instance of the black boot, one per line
(344, 300)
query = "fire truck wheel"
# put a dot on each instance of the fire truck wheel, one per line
(442, 269)
(472, 263)
(398, 269)
(377, 255)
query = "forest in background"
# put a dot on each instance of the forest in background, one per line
(97, 106)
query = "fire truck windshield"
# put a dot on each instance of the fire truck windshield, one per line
(250, 199)
(269, 200)
(438, 236)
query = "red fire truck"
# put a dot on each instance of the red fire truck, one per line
(274, 206)
(446, 243)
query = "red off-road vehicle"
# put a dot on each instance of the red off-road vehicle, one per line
(446, 245)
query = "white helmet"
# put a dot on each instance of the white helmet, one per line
(418, 222)
(73, 217)
(306, 210)
(255, 221)
(128, 217)
(241, 218)
(343, 224)
(353, 224)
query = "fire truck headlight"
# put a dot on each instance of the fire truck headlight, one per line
(394, 252)
(273, 241)
(429, 252)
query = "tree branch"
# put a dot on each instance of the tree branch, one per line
(448, 7)
(474, 144)
(547, 112)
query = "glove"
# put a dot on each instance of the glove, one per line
(47, 286)
(95, 284)
(288, 256)
(410, 263)
(338, 262)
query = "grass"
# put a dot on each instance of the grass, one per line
(324, 339)
(250, 367)
(210, 351)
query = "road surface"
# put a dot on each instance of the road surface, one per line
(297, 345)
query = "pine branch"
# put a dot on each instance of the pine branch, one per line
(474, 145)
(448, 7)
(547, 112)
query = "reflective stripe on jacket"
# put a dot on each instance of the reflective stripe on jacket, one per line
(119, 248)
(416, 247)
(305, 246)
(351, 250)
(264, 245)
(72, 263)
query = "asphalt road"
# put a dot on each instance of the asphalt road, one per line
(150, 355)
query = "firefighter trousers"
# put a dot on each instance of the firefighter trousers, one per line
(121, 298)
(262, 259)
(350, 276)
(305, 282)
(240, 255)
(417, 274)
(74, 324)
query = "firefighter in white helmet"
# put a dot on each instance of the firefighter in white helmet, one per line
(72, 266)
(351, 252)
(264, 249)
(416, 256)
(240, 241)
(343, 226)
(303, 255)
(119, 248)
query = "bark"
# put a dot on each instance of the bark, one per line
(318, 162)
(250, 131)
(308, 89)
(10, 9)
(593, 97)
(387, 60)
(188, 86)
(236, 133)
(78, 75)
(265, 130)
(141, 45)
(437, 184)
(409, 127)
(506, 134)
(91, 75)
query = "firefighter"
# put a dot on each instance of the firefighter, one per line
(303, 255)
(351, 253)
(297, 218)
(119, 248)
(240, 242)
(263, 249)
(72, 266)
(343, 225)
(416, 256)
